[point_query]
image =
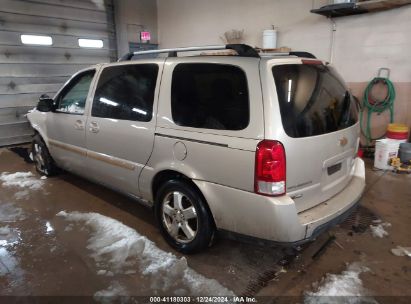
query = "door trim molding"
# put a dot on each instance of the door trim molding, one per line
(118, 162)
(192, 140)
(67, 147)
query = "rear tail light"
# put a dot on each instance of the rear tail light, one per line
(270, 168)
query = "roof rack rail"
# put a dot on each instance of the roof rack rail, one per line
(242, 50)
(280, 54)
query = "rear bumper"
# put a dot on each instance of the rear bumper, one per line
(276, 219)
(264, 242)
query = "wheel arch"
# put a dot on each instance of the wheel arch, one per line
(37, 121)
(165, 175)
(43, 138)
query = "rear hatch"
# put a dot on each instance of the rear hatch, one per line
(319, 118)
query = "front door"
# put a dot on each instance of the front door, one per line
(66, 124)
(120, 129)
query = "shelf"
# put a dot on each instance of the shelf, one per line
(382, 5)
(351, 8)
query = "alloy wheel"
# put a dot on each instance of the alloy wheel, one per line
(179, 217)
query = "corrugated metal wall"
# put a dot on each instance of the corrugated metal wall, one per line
(26, 71)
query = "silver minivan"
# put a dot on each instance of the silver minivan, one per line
(256, 145)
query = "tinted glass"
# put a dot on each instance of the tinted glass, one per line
(313, 100)
(126, 92)
(73, 97)
(210, 96)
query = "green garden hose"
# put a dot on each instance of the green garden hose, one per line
(376, 106)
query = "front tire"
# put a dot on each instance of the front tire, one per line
(41, 156)
(183, 217)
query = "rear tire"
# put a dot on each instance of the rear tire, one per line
(183, 217)
(41, 156)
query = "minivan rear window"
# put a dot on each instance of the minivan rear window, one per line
(313, 100)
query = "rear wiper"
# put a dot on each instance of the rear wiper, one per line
(345, 108)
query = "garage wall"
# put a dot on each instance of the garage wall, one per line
(26, 71)
(187, 22)
(363, 43)
(133, 17)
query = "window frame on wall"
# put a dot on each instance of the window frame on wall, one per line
(87, 43)
(137, 112)
(69, 86)
(24, 37)
(217, 87)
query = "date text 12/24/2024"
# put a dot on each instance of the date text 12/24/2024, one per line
(203, 300)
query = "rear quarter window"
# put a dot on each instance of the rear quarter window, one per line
(210, 96)
(313, 100)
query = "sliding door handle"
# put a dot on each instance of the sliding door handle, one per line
(79, 125)
(94, 128)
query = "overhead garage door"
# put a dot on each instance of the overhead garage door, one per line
(27, 71)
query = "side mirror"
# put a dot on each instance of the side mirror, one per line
(45, 103)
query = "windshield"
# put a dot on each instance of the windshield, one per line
(313, 100)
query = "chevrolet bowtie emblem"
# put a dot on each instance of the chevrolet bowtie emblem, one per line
(343, 141)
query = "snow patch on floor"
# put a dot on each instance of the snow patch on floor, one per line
(103, 272)
(4, 230)
(8, 236)
(21, 180)
(401, 251)
(22, 195)
(68, 227)
(10, 213)
(346, 284)
(111, 294)
(122, 250)
(379, 231)
(9, 264)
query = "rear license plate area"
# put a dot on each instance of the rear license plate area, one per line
(334, 169)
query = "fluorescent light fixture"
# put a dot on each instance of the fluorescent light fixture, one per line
(108, 102)
(36, 40)
(140, 111)
(90, 43)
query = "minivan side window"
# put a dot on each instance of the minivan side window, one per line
(126, 92)
(72, 99)
(210, 96)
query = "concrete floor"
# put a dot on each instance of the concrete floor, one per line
(43, 258)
